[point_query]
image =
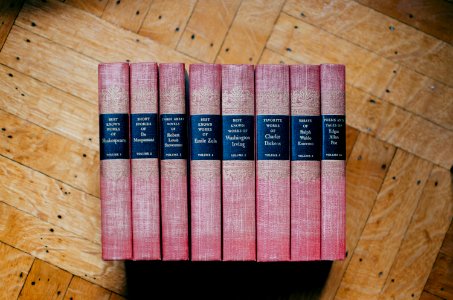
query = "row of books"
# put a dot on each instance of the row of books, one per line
(250, 166)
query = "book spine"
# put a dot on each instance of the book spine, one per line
(273, 164)
(144, 162)
(333, 171)
(205, 167)
(238, 165)
(305, 163)
(115, 181)
(173, 164)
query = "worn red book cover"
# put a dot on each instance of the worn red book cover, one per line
(273, 164)
(173, 163)
(144, 161)
(333, 171)
(205, 166)
(115, 180)
(238, 164)
(305, 163)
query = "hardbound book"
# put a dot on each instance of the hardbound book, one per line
(333, 173)
(305, 163)
(115, 173)
(173, 164)
(238, 164)
(144, 161)
(205, 165)
(273, 164)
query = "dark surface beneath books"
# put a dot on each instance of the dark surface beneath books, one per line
(226, 280)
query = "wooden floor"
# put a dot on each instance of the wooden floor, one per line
(399, 61)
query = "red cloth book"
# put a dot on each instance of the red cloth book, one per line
(305, 163)
(273, 164)
(205, 166)
(238, 164)
(144, 161)
(333, 173)
(173, 164)
(115, 180)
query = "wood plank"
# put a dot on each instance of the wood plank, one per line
(50, 200)
(128, 14)
(423, 239)
(43, 59)
(116, 297)
(423, 96)
(49, 153)
(95, 7)
(384, 231)
(379, 33)
(308, 44)
(207, 29)
(167, 20)
(439, 282)
(14, 267)
(351, 138)
(434, 17)
(45, 281)
(428, 296)
(365, 172)
(249, 31)
(390, 123)
(82, 289)
(92, 37)
(8, 13)
(61, 248)
(447, 246)
(48, 107)
(366, 70)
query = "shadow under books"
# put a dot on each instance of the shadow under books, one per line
(225, 280)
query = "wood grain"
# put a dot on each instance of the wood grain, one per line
(127, 14)
(45, 281)
(92, 37)
(365, 172)
(93, 7)
(422, 240)
(307, 44)
(378, 33)
(8, 13)
(385, 229)
(434, 17)
(15, 266)
(39, 58)
(82, 289)
(50, 200)
(366, 70)
(249, 32)
(49, 107)
(351, 137)
(439, 282)
(59, 247)
(207, 28)
(59, 157)
(428, 296)
(167, 20)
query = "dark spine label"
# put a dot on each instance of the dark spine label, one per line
(272, 134)
(143, 136)
(173, 136)
(305, 137)
(333, 137)
(205, 137)
(114, 136)
(238, 137)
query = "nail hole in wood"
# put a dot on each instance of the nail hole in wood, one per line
(33, 24)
